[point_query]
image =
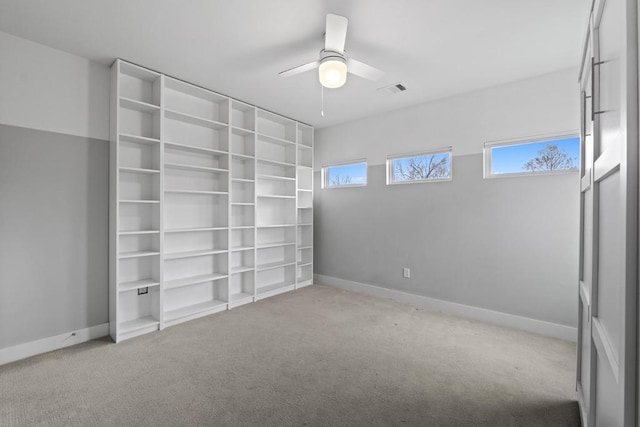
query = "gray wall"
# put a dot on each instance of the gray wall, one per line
(500, 244)
(54, 209)
(54, 158)
(508, 245)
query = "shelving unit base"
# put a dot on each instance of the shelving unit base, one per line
(137, 327)
(304, 284)
(272, 290)
(240, 299)
(185, 314)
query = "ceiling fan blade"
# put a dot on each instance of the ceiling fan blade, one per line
(336, 33)
(363, 70)
(299, 69)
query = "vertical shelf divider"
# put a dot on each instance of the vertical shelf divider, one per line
(230, 151)
(255, 204)
(304, 200)
(161, 191)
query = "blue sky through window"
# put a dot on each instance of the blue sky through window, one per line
(420, 168)
(508, 159)
(350, 174)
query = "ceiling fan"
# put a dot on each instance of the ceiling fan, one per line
(333, 64)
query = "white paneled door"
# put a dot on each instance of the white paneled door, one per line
(606, 374)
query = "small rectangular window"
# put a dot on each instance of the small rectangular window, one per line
(419, 167)
(532, 157)
(344, 175)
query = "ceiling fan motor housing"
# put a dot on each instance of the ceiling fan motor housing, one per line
(326, 54)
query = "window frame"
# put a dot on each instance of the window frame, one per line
(324, 175)
(489, 145)
(442, 150)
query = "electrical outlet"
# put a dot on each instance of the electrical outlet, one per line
(142, 291)
(406, 273)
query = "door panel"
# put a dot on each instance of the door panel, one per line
(607, 396)
(610, 256)
(585, 350)
(587, 265)
(610, 43)
(606, 377)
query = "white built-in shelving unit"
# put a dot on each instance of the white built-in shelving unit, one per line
(211, 202)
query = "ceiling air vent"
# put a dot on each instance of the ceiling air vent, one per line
(391, 89)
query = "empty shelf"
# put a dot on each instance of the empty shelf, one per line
(193, 120)
(275, 140)
(137, 254)
(188, 281)
(191, 254)
(241, 269)
(125, 137)
(272, 265)
(132, 232)
(274, 286)
(143, 107)
(244, 156)
(202, 192)
(275, 162)
(139, 201)
(144, 283)
(172, 315)
(275, 245)
(237, 130)
(191, 230)
(139, 170)
(275, 196)
(194, 168)
(242, 248)
(276, 177)
(240, 295)
(193, 148)
(136, 324)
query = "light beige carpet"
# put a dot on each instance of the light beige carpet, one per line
(319, 356)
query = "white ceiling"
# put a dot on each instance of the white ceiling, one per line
(436, 48)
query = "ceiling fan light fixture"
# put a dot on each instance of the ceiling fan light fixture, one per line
(332, 72)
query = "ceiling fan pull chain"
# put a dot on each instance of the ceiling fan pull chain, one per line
(322, 100)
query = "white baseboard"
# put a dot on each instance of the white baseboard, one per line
(32, 348)
(541, 327)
